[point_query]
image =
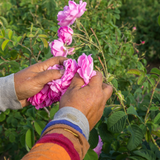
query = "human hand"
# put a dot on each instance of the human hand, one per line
(90, 100)
(31, 80)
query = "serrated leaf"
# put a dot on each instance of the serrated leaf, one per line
(10, 33)
(29, 139)
(116, 122)
(4, 44)
(42, 36)
(115, 83)
(147, 154)
(134, 71)
(155, 71)
(39, 126)
(136, 137)
(131, 110)
(93, 138)
(106, 135)
(45, 43)
(91, 155)
(157, 119)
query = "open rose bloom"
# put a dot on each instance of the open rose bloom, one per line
(53, 91)
(71, 12)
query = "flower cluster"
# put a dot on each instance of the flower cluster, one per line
(66, 18)
(53, 91)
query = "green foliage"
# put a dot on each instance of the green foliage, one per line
(129, 127)
(144, 15)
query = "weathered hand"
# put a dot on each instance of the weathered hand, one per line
(31, 80)
(90, 100)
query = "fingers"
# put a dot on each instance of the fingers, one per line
(49, 75)
(51, 62)
(77, 81)
(107, 89)
(96, 81)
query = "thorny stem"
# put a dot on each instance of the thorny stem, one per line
(101, 50)
(153, 140)
(146, 117)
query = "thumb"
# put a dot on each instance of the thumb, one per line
(77, 81)
(49, 75)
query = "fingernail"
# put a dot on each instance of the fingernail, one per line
(62, 71)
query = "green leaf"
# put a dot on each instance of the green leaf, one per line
(147, 154)
(93, 138)
(39, 126)
(42, 36)
(134, 71)
(31, 36)
(159, 20)
(157, 119)
(115, 83)
(91, 155)
(10, 33)
(106, 135)
(2, 117)
(4, 44)
(141, 79)
(29, 139)
(155, 71)
(3, 32)
(19, 38)
(136, 137)
(53, 111)
(121, 157)
(54, 29)
(12, 138)
(131, 110)
(1, 37)
(116, 122)
(45, 43)
(7, 112)
(154, 108)
(31, 112)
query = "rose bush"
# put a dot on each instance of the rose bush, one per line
(129, 127)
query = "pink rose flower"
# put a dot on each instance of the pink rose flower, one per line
(65, 33)
(85, 70)
(134, 28)
(71, 12)
(58, 48)
(53, 90)
(143, 42)
(98, 149)
(41, 99)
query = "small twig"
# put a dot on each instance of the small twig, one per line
(47, 112)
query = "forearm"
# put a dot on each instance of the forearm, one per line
(8, 98)
(63, 138)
